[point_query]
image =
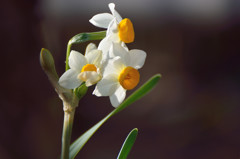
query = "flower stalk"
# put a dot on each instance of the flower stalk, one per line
(111, 66)
(67, 132)
(69, 107)
(70, 100)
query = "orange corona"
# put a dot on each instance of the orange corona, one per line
(129, 78)
(89, 67)
(126, 31)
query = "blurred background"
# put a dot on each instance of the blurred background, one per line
(192, 113)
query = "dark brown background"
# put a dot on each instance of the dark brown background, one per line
(192, 113)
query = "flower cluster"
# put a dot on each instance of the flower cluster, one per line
(111, 65)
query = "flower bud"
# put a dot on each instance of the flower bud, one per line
(81, 91)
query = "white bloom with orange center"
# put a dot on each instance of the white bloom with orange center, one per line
(120, 74)
(82, 68)
(118, 30)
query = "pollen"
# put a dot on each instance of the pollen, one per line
(126, 31)
(89, 67)
(129, 78)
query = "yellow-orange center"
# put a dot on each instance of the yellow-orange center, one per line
(126, 31)
(89, 67)
(129, 78)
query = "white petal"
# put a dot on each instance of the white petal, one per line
(124, 46)
(76, 60)
(90, 77)
(69, 79)
(118, 96)
(107, 86)
(114, 12)
(101, 20)
(137, 58)
(104, 45)
(94, 57)
(114, 38)
(116, 49)
(112, 27)
(90, 47)
(114, 66)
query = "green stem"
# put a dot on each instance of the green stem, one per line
(66, 134)
(67, 55)
(70, 110)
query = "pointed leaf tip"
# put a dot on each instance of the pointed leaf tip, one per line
(128, 144)
(78, 144)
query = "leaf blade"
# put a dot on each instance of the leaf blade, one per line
(78, 144)
(128, 143)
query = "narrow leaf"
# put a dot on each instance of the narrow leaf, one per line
(139, 93)
(128, 143)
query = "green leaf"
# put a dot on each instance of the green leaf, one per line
(139, 93)
(128, 143)
(80, 38)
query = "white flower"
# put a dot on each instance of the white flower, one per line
(118, 30)
(103, 20)
(121, 73)
(82, 68)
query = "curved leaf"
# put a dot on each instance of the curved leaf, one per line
(128, 143)
(139, 93)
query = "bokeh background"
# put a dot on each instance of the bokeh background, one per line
(192, 113)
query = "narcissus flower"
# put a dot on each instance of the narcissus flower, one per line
(82, 68)
(120, 74)
(118, 30)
